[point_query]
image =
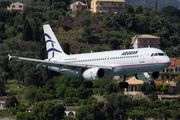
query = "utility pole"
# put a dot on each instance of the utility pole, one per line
(155, 4)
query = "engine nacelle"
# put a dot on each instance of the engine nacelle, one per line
(93, 74)
(146, 76)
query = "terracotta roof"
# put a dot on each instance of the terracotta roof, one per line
(146, 36)
(71, 108)
(3, 98)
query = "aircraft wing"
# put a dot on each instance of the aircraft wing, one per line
(57, 64)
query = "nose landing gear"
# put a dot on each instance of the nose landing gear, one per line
(123, 84)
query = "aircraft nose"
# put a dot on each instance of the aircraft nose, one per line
(168, 60)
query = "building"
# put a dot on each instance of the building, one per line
(78, 6)
(174, 67)
(16, 6)
(167, 97)
(108, 6)
(145, 40)
(2, 103)
(70, 110)
(133, 86)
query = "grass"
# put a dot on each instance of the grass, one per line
(12, 89)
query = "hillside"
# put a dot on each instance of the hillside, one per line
(151, 3)
(145, 3)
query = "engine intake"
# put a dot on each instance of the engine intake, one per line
(147, 76)
(93, 74)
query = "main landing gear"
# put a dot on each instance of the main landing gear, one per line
(88, 84)
(123, 84)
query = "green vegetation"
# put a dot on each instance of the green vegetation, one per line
(25, 84)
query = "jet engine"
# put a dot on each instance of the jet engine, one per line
(93, 74)
(146, 76)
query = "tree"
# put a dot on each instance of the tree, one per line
(66, 48)
(48, 110)
(146, 87)
(117, 105)
(83, 93)
(112, 88)
(11, 101)
(130, 8)
(59, 6)
(114, 43)
(86, 34)
(25, 116)
(139, 9)
(84, 113)
(27, 31)
(2, 88)
(127, 44)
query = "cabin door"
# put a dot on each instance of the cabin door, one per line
(142, 55)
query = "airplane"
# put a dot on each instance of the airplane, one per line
(145, 63)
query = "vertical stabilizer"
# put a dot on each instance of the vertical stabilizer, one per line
(52, 45)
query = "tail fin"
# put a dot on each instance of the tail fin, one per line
(52, 45)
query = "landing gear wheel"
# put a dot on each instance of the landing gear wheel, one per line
(90, 84)
(126, 85)
(121, 85)
(85, 84)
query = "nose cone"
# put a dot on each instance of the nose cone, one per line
(168, 61)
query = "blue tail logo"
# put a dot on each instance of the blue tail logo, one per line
(52, 43)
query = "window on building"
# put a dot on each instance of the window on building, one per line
(100, 3)
(150, 41)
(13, 6)
(145, 41)
(140, 41)
(114, 4)
(84, 8)
(154, 46)
(20, 6)
(155, 41)
(119, 10)
(104, 8)
(120, 5)
(130, 88)
(105, 4)
(109, 4)
(136, 88)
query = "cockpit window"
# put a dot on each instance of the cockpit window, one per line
(160, 54)
(155, 54)
(152, 54)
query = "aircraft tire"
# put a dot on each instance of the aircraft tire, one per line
(121, 85)
(90, 84)
(126, 85)
(85, 84)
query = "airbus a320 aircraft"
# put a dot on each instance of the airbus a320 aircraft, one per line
(145, 63)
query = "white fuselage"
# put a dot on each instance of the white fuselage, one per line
(123, 62)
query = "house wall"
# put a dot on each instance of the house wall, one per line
(16, 6)
(107, 6)
(145, 42)
(80, 7)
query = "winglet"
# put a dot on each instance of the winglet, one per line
(9, 56)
